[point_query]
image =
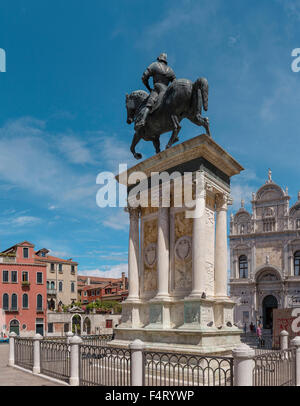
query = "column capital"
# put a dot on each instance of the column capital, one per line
(222, 200)
(134, 212)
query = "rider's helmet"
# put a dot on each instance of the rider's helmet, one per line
(162, 58)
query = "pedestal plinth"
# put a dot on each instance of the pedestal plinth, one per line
(178, 251)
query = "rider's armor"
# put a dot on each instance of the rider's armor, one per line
(162, 75)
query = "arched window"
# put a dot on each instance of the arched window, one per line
(243, 266)
(5, 301)
(25, 301)
(39, 302)
(48, 285)
(14, 301)
(60, 286)
(297, 263)
(52, 285)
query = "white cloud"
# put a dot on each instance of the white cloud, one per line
(292, 8)
(75, 150)
(117, 221)
(112, 272)
(29, 163)
(25, 221)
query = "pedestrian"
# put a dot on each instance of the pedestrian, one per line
(259, 332)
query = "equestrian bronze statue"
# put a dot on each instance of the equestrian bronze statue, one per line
(169, 102)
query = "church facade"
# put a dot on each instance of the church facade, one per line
(265, 256)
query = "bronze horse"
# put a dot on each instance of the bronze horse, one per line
(182, 99)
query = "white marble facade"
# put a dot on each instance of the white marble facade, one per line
(264, 247)
(177, 264)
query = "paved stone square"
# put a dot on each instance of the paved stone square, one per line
(14, 377)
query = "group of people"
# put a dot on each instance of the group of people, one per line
(255, 329)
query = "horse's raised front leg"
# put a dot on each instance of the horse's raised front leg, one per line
(156, 144)
(136, 138)
(174, 137)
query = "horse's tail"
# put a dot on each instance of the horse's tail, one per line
(202, 84)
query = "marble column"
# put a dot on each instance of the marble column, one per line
(163, 253)
(199, 245)
(221, 247)
(133, 254)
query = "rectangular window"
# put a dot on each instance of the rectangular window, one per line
(25, 252)
(52, 268)
(60, 269)
(5, 276)
(50, 327)
(108, 324)
(39, 277)
(25, 276)
(14, 276)
(72, 268)
(84, 293)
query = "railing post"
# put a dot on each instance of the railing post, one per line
(284, 340)
(37, 353)
(69, 334)
(296, 343)
(11, 359)
(74, 361)
(243, 365)
(137, 361)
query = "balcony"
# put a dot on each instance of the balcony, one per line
(51, 291)
(25, 284)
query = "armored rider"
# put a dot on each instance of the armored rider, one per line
(162, 75)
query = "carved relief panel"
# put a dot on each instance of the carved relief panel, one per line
(183, 251)
(150, 255)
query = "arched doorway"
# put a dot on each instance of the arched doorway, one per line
(76, 324)
(269, 303)
(14, 327)
(87, 326)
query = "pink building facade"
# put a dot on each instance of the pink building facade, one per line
(23, 291)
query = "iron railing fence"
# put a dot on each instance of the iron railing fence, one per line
(275, 368)
(104, 366)
(24, 352)
(55, 338)
(100, 340)
(264, 342)
(171, 369)
(55, 359)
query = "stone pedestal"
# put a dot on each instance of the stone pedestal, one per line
(178, 254)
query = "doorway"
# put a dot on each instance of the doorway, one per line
(14, 327)
(269, 303)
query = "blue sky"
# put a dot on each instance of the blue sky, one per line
(63, 118)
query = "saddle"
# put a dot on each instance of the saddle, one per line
(158, 101)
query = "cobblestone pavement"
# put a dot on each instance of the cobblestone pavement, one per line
(14, 377)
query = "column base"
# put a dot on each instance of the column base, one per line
(161, 298)
(36, 370)
(74, 381)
